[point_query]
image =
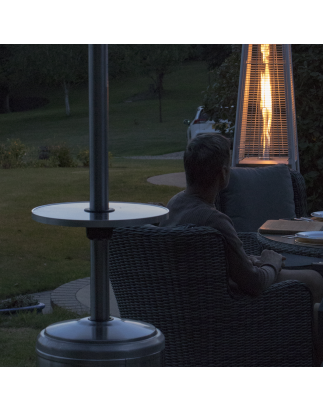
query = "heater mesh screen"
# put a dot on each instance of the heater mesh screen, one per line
(293, 109)
(252, 125)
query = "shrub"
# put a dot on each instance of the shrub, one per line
(308, 80)
(18, 302)
(12, 154)
(220, 99)
(61, 155)
(84, 157)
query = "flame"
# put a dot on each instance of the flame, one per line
(266, 101)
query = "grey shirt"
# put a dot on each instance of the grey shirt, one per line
(244, 276)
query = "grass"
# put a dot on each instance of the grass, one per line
(134, 128)
(36, 257)
(18, 334)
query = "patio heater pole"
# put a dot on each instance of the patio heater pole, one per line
(98, 105)
(99, 168)
(100, 340)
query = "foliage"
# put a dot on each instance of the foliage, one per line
(84, 157)
(51, 65)
(18, 302)
(308, 80)
(123, 60)
(157, 60)
(12, 154)
(5, 54)
(213, 54)
(61, 156)
(220, 99)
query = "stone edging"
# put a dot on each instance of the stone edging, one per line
(65, 296)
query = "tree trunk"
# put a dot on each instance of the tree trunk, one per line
(67, 102)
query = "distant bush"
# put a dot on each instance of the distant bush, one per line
(62, 156)
(84, 157)
(12, 154)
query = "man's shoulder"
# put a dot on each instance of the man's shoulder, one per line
(177, 197)
(218, 219)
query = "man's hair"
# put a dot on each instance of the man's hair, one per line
(204, 158)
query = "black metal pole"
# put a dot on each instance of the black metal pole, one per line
(99, 179)
(100, 340)
(98, 105)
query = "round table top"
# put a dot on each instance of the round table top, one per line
(282, 239)
(282, 244)
(74, 215)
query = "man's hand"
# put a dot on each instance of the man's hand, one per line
(269, 257)
(255, 259)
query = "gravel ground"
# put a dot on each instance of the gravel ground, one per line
(171, 156)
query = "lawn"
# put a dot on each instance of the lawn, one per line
(18, 336)
(36, 257)
(134, 127)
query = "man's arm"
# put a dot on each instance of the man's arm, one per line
(250, 278)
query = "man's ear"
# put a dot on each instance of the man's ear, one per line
(225, 171)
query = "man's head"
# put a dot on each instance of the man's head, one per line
(206, 160)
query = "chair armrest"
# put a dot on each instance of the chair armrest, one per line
(250, 242)
(282, 318)
(291, 303)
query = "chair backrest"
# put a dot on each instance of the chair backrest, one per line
(174, 279)
(300, 196)
(255, 195)
(177, 279)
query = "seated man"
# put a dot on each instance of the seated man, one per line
(207, 169)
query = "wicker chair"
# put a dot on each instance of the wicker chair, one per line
(300, 197)
(249, 239)
(176, 279)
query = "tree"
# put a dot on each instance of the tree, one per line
(213, 54)
(123, 60)
(220, 99)
(5, 81)
(308, 81)
(157, 60)
(53, 64)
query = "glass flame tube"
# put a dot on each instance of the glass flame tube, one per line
(266, 102)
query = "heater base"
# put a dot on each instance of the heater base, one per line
(257, 162)
(114, 343)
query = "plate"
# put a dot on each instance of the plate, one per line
(313, 237)
(318, 214)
